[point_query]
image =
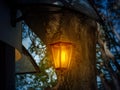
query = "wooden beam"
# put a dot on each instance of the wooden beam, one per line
(31, 60)
(7, 67)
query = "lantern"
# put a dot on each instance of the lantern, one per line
(61, 53)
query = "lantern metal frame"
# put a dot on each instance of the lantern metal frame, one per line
(61, 54)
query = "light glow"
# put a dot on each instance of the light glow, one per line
(61, 53)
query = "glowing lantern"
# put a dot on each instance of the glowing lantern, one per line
(61, 52)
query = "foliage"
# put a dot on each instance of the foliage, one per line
(37, 50)
(108, 45)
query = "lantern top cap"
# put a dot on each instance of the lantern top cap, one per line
(62, 42)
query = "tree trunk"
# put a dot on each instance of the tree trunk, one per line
(80, 30)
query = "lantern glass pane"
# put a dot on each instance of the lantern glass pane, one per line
(56, 55)
(68, 51)
(63, 56)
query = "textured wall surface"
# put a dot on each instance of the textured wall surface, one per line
(78, 29)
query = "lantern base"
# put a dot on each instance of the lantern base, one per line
(61, 69)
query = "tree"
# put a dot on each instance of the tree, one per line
(109, 38)
(81, 31)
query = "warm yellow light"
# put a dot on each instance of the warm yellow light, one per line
(61, 52)
(17, 55)
(63, 55)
